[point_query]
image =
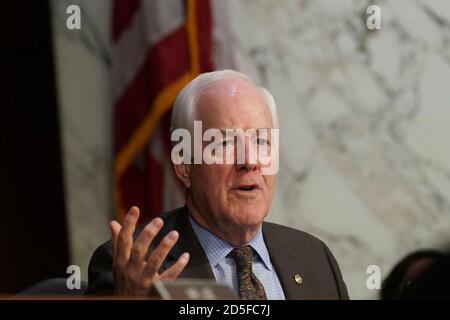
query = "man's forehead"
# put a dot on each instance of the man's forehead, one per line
(230, 89)
(233, 104)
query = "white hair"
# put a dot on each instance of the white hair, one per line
(183, 112)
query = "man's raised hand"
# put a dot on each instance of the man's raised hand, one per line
(133, 274)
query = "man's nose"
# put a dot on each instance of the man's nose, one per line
(250, 159)
(247, 167)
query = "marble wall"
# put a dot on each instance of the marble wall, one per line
(364, 116)
(85, 109)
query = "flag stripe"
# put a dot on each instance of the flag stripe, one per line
(150, 25)
(123, 12)
(156, 73)
(204, 35)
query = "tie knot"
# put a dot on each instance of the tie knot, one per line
(243, 257)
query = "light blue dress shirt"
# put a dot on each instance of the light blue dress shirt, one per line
(224, 268)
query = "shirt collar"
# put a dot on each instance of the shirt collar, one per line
(217, 249)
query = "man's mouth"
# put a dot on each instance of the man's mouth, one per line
(248, 187)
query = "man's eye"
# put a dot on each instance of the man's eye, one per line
(227, 143)
(261, 141)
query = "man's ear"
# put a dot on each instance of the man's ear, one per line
(183, 172)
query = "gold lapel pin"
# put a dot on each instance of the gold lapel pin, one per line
(298, 278)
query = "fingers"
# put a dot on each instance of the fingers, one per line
(158, 255)
(115, 229)
(143, 241)
(125, 237)
(174, 271)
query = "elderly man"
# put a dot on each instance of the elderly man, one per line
(219, 233)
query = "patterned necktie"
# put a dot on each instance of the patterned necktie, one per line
(250, 288)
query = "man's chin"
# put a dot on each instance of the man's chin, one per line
(248, 219)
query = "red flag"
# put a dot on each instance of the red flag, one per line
(159, 46)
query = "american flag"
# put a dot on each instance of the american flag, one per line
(158, 47)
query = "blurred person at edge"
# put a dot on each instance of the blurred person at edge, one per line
(421, 275)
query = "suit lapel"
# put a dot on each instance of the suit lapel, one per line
(198, 266)
(287, 263)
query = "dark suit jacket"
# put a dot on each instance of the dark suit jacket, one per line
(291, 252)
